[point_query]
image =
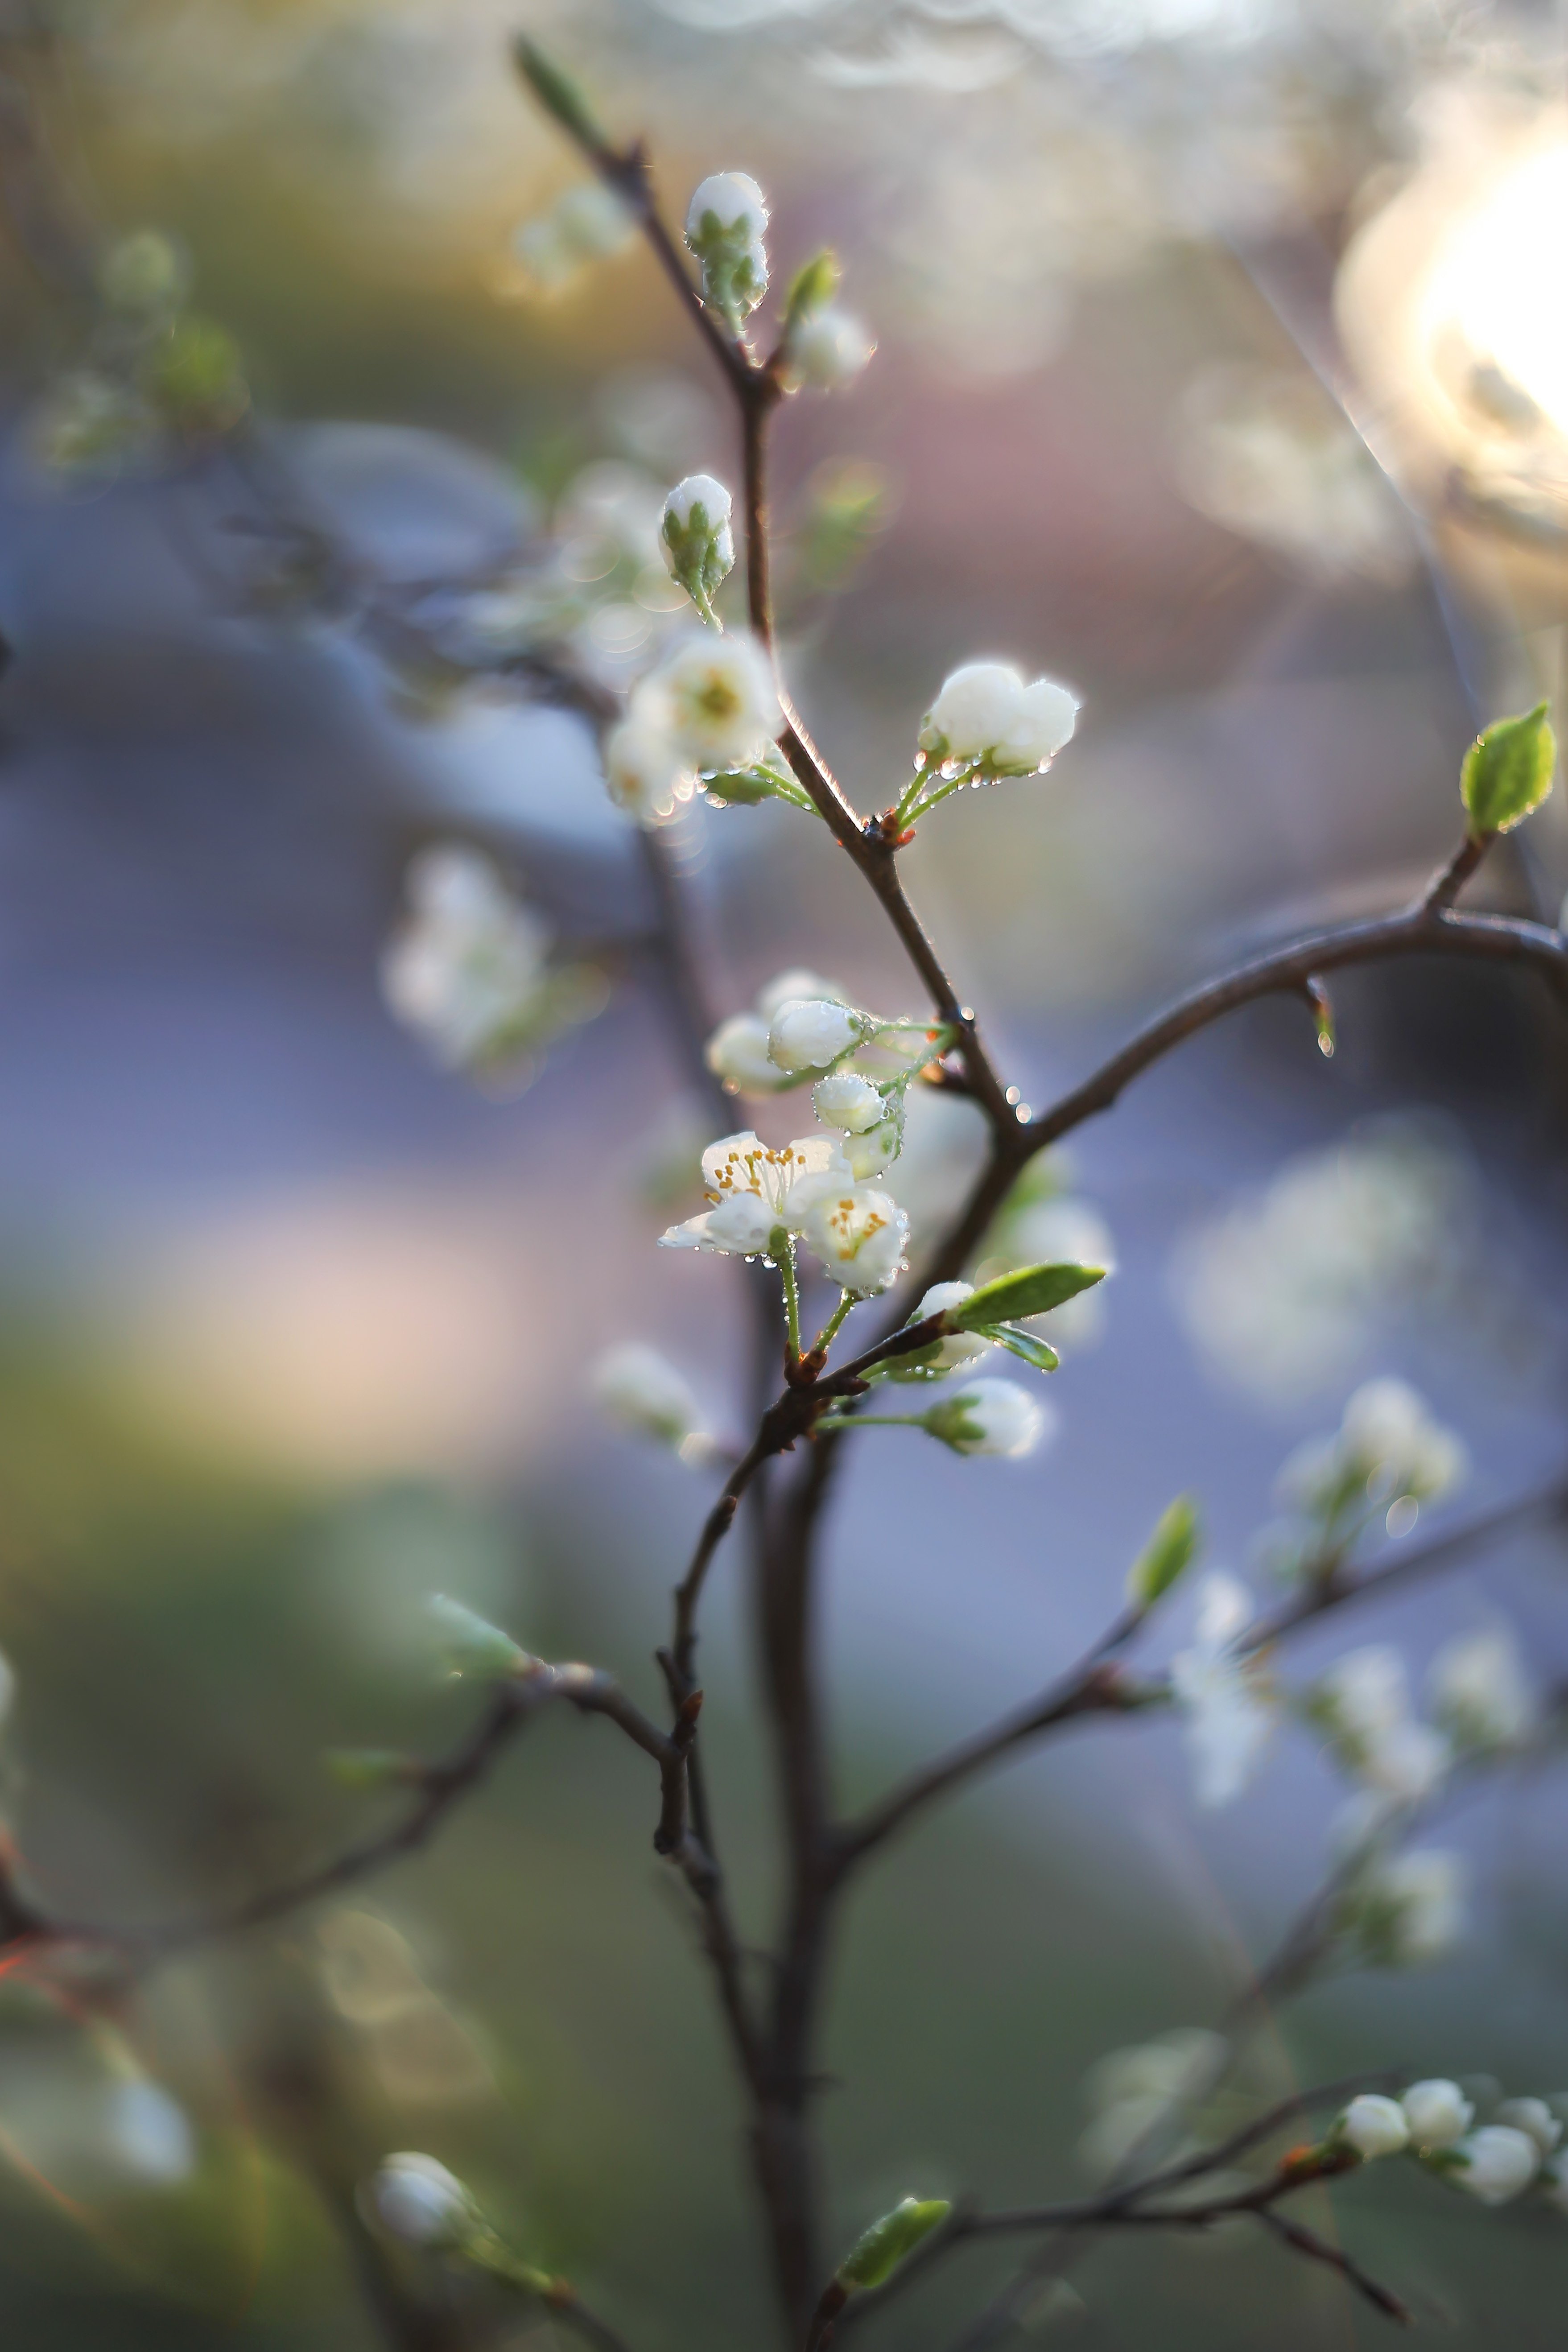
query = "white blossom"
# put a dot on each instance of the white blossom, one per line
(643, 1390)
(1496, 2163)
(1437, 2113)
(647, 775)
(1364, 1700)
(955, 1347)
(1409, 1910)
(851, 1104)
(737, 204)
(1227, 1726)
(989, 1416)
(798, 985)
(724, 226)
(419, 2201)
(859, 1234)
(714, 697)
(468, 962)
(695, 536)
(869, 1154)
(1478, 1692)
(808, 1035)
(738, 1054)
(588, 222)
(829, 350)
(1535, 2118)
(1388, 1426)
(986, 713)
(754, 1187)
(1375, 2125)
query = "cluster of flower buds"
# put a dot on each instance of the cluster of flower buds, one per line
(1433, 2121)
(1480, 1703)
(1387, 1458)
(1403, 1910)
(468, 971)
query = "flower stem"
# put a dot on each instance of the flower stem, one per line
(833, 1325)
(781, 1249)
(871, 1421)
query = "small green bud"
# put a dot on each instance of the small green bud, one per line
(562, 97)
(367, 1768)
(196, 376)
(471, 1646)
(695, 537)
(889, 2241)
(813, 287)
(1507, 772)
(143, 274)
(1033, 1290)
(1167, 1554)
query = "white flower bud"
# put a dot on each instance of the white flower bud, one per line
(724, 227)
(1375, 2125)
(417, 2200)
(809, 1033)
(1478, 1692)
(1043, 721)
(150, 2132)
(786, 987)
(468, 966)
(738, 1054)
(695, 537)
(851, 1104)
(1388, 1429)
(859, 1234)
(646, 774)
(737, 206)
(989, 1417)
(144, 273)
(1409, 1911)
(1533, 2118)
(715, 698)
(867, 1155)
(958, 1347)
(642, 1389)
(829, 350)
(1496, 2163)
(1437, 2113)
(986, 714)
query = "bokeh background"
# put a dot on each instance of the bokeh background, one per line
(1222, 371)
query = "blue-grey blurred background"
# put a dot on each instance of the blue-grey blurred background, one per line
(1222, 371)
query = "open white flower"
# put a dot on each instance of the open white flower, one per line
(1227, 1726)
(419, 2201)
(1437, 2113)
(989, 1417)
(647, 775)
(643, 1390)
(468, 962)
(1478, 1692)
(1496, 2163)
(715, 700)
(809, 1035)
(754, 1187)
(1388, 1445)
(985, 714)
(859, 1234)
(1375, 2125)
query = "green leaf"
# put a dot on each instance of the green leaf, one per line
(877, 2255)
(1507, 772)
(813, 286)
(1166, 1555)
(1033, 1290)
(1027, 1345)
(471, 1644)
(563, 99)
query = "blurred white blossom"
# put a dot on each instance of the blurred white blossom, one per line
(1437, 2113)
(417, 2200)
(467, 968)
(643, 1390)
(1375, 2125)
(1228, 1725)
(1478, 1692)
(1496, 2163)
(990, 1416)
(1407, 1910)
